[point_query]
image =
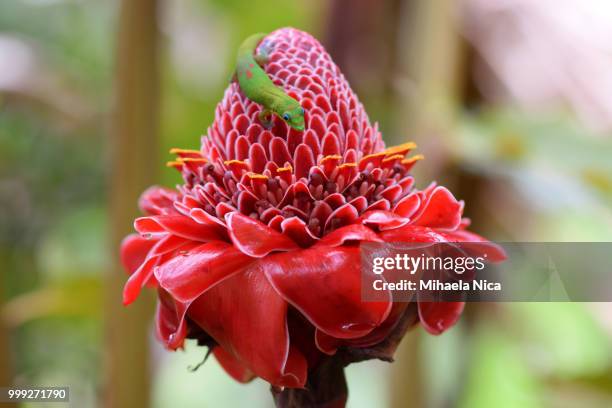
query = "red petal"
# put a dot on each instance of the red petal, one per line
(245, 315)
(354, 232)
(257, 157)
(325, 285)
(412, 233)
(232, 366)
(295, 370)
(179, 225)
(312, 141)
(138, 279)
(360, 203)
(298, 231)
(437, 317)
(335, 200)
(160, 252)
(384, 220)
(477, 245)
(382, 332)
(202, 217)
(168, 244)
(327, 344)
(380, 205)
(465, 222)
(330, 145)
(303, 161)
(341, 216)
(255, 238)
(134, 250)
(242, 148)
(279, 152)
(157, 201)
(441, 210)
(407, 206)
(392, 192)
(187, 276)
(170, 324)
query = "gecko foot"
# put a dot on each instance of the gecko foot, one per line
(261, 59)
(265, 117)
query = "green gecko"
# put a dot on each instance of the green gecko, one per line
(258, 87)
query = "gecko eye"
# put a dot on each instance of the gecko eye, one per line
(286, 116)
(302, 111)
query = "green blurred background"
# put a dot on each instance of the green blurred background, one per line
(510, 101)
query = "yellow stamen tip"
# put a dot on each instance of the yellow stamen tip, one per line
(288, 168)
(193, 160)
(331, 157)
(394, 157)
(176, 150)
(413, 159)
(257, 176)
(174, 163)
(373, 155)
(234, 161)
(400, 148)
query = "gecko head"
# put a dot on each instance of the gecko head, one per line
(294, 117)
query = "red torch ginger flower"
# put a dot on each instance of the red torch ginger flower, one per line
(257, 253)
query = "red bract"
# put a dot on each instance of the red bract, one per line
(257, 253)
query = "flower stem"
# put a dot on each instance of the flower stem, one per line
(326, 387)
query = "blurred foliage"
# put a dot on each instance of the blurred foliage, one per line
(498, 376)
(541, 168)
(75, 37)
(522, 359)
(507, 141)
(52, 167)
